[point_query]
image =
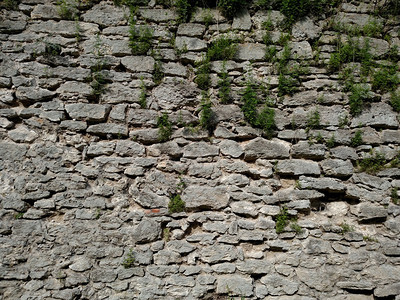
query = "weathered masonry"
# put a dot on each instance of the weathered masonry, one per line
(160, 150)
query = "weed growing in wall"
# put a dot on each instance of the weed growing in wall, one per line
(394, 195)
(98, 79)
(10, 4)
(176, 204)
(357, 139)
(68, 9)
(264, 119)
(142, 96)
(331, 142)
(395, 101)
(202, 79)
(282, 220)
(223, 48)
(164, 128)
(224, 85)
(140, 39)
(314, 120)
(129, 260)
(372, 163)
(158, 74)
(207, 116)
(385, 79)
(346, 228)
(359, 94)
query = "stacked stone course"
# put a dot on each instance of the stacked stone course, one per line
(85, 182)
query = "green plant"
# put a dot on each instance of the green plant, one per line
(129, 260)
(319, 138)
(52, 49)
(166, 234)
(202, 79)
(395, 101)
(267, 39)
(158, 74)
(184, 10)
(224, 85)
(142, 96)
(78, 31)
(229, 8)
(373, 28)
(359, 94)
(98, 80)
(331, 142)
(356, 140)
(18, 215)
(386, 79)
(371, 239)
(176, 204)
(270, 54)
(296, 227)
(250, 102)
(372, 163)
(266, 121)
(297, 185)
(313, 121)
(282, 220)
(98, 214)
(287, 85)
(343, 121)
(130, 3)
(207, 116)
(394, 195)
(68, 9)
(139, 38)
(351, 51)
(346, 77)
(346, 228)
(207, 18)
(223, 48)
(164, 128)
(10, 4)
(268, 24)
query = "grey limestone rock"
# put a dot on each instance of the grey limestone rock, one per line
(169, 97)
(204, 197)
(262, 148)
(129, 148)
(190, 43)
(242, 21)
(231, 148)
(218, 253)
(108, 128)
(158, 15)
(148, 230)
(379, 115)
(322, 183)
(87, 112)
(22, 135)
(200, 149)
(253, 52)
(138, 63)
(191, 29)
(106, 15)
(33, 94)
(370, 212)
(235, 285)
(337, 167)
(297, 167)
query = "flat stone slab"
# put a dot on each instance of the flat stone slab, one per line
(204, 197)
(297, 167)
(235, 285)
(87, 112)
(262, 148)
(249, 51)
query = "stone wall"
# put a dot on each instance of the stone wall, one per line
(85, 182)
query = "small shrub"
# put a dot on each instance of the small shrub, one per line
(202, 79)
(282, 220)
(10, 4)
(331, 142)
(164, 128)
(142, 96)
(268, 25)
(224, 85)
(229, 8)
(270, 54)
(139, 39)
(356, 140)
(176, 204)
(223, 48)
(98, 79)
(129, 260)
(68, 9)
(267, 39)
(373, 28)
(346, 228)
(371, 239)
(250, 102)
(18, 215)
(314, 119)
(266, 121)
(166, 234)
(395, 101)
(343, 121)
(346, 78)
(385, 80)
(184, 10)
(394, 195)
(373, 163)
(296, 227)
(130, 3)
(52, 49)
(359, 94)
(158, 74)
(287, 85)
(207, 116)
